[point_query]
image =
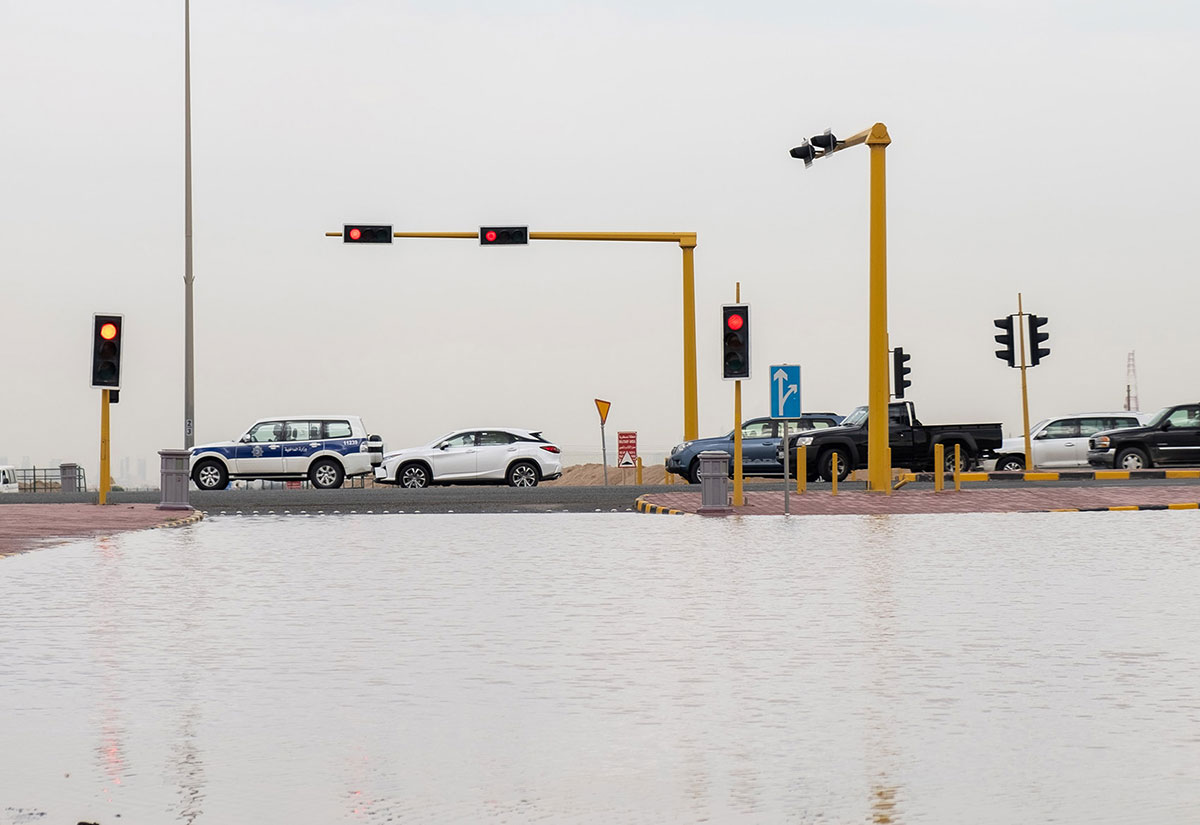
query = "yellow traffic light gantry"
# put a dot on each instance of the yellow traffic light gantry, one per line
(879, 462)
(687, 243)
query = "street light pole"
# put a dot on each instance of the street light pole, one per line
(189, 389)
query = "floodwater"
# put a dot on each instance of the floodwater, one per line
(607, 668)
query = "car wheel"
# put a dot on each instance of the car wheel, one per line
(413, 476)
(1010, 464)
(326, 474)
(522, 474)
(210, 475)
(693, 474)
(966, 460)
(1132, 459)
(826, 464)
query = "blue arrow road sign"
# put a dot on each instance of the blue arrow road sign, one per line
(785, 390)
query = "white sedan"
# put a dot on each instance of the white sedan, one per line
(502, 455)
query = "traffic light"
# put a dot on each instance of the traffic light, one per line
(735, 341)
(1009, 353)
(498, 235)
(106, 351)
(362, 233)
(1036, 351)
(899, 359)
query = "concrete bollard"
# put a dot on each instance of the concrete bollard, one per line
(174, 479)
(714, 483)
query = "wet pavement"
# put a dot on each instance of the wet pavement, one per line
(1028, 499)
(26, 526)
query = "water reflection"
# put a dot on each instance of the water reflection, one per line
(607, 668)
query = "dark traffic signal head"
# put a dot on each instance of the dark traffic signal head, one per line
(362, 233)
(1005, 338)
(106, 351)
(498, 235)
(804, 152)
(825, 142)
(1036, 338)
(899, 359)
(735, 341)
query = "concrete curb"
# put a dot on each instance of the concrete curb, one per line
(643, 506)
(1064, 475)
(1129, 507)
(181, 522)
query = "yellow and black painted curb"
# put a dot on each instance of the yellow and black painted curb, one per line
(1065, 475)
(1186, 506)
(644, 506)
(183, 521)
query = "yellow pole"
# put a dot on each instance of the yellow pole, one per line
(1024, 388)
(691, 404)
(738, 499)
(833, 471)
(801, 469)
(939, 467)
(879, 465)
(957, 468)
(104, 461)
(639, 471)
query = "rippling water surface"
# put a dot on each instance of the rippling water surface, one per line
(607, 668)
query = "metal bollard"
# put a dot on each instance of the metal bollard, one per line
(833, 471)
(714, 483)
(957, 466)
(174, 479)
(639, 471)
(939, 467)
(801, 469)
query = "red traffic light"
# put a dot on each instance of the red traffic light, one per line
(355, 234)
(490, 235)
(108, 332)
(499, 235)
(363, 233)
(735, 322)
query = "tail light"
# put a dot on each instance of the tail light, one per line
(550, 448)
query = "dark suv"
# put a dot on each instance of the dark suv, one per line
(760, 439)
(1171, 437)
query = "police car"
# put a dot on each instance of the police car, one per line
(324, 449)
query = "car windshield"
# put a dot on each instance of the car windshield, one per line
(1159, 416)
(856, 417)
(1037, 428)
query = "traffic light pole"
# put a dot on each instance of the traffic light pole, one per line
(879, 463)
(738, 496)
(1024, 387)
(104, 460)
(189, 378)
(687, 243)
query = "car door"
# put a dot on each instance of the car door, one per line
(454, 457)
(1055, 445)
(260, 452)
(301, 440)
(1178, 438)
(494, 451)
(758, 447)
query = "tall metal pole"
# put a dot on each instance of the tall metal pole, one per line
(691, 417)
(189, 387)
(1024, 386)
(105, 467)
(879, 463)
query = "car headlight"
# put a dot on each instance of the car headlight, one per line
(1100, 443)
(804, 441)
(679, 447)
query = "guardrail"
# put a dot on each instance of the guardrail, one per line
(69, 478)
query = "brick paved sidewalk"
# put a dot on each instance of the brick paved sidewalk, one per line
(27, 526)
(975, 500)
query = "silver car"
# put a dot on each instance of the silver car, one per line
(501, 455)
(1061, 443)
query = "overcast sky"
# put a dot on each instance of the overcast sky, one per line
(1039, 147)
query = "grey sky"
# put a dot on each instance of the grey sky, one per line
(1040, 147)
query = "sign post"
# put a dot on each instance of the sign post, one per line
(602, 408)
(785, 404)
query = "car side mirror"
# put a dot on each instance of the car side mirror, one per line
(444, 445)
(244, 439)
(1166, 425)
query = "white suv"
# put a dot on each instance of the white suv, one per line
(1063, 441)
(324, 449)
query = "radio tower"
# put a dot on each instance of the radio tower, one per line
(1131, 399)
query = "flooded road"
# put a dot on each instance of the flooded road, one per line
(607, 668)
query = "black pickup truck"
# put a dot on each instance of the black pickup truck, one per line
(911, 442)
